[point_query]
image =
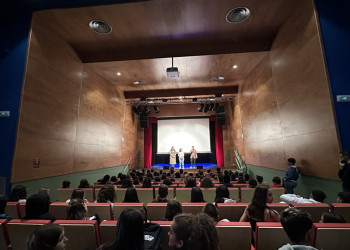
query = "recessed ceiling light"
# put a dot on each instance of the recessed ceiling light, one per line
(139, 83)
(100, 26)
(217, 78)
(237, 15)
(119, 74)
(235, 66)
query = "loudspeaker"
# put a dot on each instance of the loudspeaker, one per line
(165, 167)
(199, 167)
(220, 115)
(144, 121)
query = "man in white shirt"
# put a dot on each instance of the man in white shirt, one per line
(317, 196)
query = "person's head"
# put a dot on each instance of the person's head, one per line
(192, 147)
(297, 224)
(189, 231)
(318, 195)
(84, 184)
(259, 179)
(76, 210)
(78, 194)
(114, 178)
(207, 183)
(131, 195)
(276, 180)
(191, 182)
(105, 179)
(343, 197)
(66, 184)
(291, 161)
(36, 205)
(222, 192)
(130, 230)
(126, 183)
(172, 208)
(256, 208)
(329, 217)
(163, 191)
(196, 195)
(3, 202)
(211, 210)
(47, 237)
(107, 193)
(167, 182)
(147, 183)
(227, 179)
(252, 183)
(344, 156)
(177, 175)
(19, 192)
(180, 149)
(246, 177)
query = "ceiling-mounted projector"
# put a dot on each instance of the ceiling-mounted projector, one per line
(172, 72)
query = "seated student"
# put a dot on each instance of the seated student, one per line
(66, 184)
(47, 237)
(241, 180)
(131, 195)
(18, 193)
(343, 197)
(162, 194)
(196, 195)
(105, 179)
(211, 210)
(107, 194)
(330, 217)
(189, 231)
(227, 180)
(77, 194)
(297, 224)
(276, 182)
(207, 183)
(84, 183)
(222, 195)
(37, 208)
(252, 183)
(260, 180)
(127, 182)
(147, 182)
(191, 182)
(167, 182)
(316, 196)
(77, 210)
(3, 202)
(172, 208)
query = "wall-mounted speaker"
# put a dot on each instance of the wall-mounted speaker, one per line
(144, 121)
(220, 115)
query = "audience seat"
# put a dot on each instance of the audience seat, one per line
(331, 236)
(234, 194)
(4, 237)
(343, 209)
(19, 231)
(183, 194)
(120, 192)
(119, 207)
(58, 210)
(22, 209)
(279, 207)
(103, 210)
(89, 194)
(277, 192)
(156, 211)
(145, 195)
(231, 211)
(12, 209)
(270, 235)
(171, 193)
(192, 208)
(108, 231)
(209, 194)
(63, 194)
(81, 234)
(165, 225)
(314, 209)
(247, 194)
(234, 235)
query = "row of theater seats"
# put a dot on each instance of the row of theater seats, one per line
(242, 194)
(87, 235)
(156, 211)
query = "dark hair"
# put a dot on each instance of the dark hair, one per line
(172, 208)
(66, 184)
(246, 177)
(126, 183)
(252, 183)
(276, 180)
(167, 182)
(106, 193)
(157, 179)
(76, 210)
(135, 181)
(259, 178)
(37, 205)
(344, 196)
(191, 182)
(84, 184)
(147, 182)
(3, 202)
(163, 191)
(18, 192)
(196, 231)
(291, 160)
(77, 194)
(318, 195)
(227, 178)
(296, 223)
(329, 217)
(131, 195)
(211, 210)
(257, 206)
(114, 178)
(197, 195)
(45, 237)
(105, 179)
(207, 183)
(177, 175)
(222, 192)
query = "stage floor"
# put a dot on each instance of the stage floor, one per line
(187, 165)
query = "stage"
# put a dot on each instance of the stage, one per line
(187, 166)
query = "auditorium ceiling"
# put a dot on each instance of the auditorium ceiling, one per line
(146, 35)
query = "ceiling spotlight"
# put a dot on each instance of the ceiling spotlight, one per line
(235, 66)
(200, 108)
(211, 106)
(206, 108)
(146, 110)
(194, 99)
(156, 109)
(216, 107)
(100, 26)
(119, 74)
(164, 100)
(238, 15)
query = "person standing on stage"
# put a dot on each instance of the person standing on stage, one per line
(172, 156)
(193, 157)
(292, 174)
(181, 155)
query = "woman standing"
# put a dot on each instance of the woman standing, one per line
(172, 156)
(181, 155)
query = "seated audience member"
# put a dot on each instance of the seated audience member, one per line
(252, 183)
(66, 184)
(241, 180)
(162, 194)
(18, 193)
(135, 181)
(129, 233)
(105, 179)
(211, 210)
(343, 197)
(167, 182)
(157, 179)
(316, 196)
(77, 210)
(177, 175)
(329, 217)
(207, 183)
(3, 203)
(106, 194)
(84, 184)
(113, 179)
(259, 179)
(47, 237)
(276, 182)
(227, 180)
(77, 194)
(191, 182)
(297, 224)
(127, 182)
(222, 195)
(46, 192)
(37, 208)
(246, 177)
(131, 195)
(147, 183)
(197, 195)
(173, 208)
(189, 231)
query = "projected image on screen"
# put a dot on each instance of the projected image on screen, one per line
(184, 133)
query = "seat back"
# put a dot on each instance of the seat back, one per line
(343, 209)
(63, 194)
(314, 209)
(192, 208)
(231, 211)
(234, 235)
(209, 194)
(270, 235)
(22, 209)
(234, 193)
(277, 192)
(171, 193)
(165, 226)
(81, 234)
(108, 231)
(89, 194)
(12, 209)
(279, 207)
(103, 210)
(118, 208)
(183, 194)
(156, 211)
(332, 236)
(145, 195)
(4, 236)
(58, 210)
(19, 231)
(247, 194)
(120, 192)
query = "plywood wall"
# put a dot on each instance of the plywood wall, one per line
(286, 107)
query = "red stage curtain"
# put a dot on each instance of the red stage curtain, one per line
(219, 145)
(147, 154)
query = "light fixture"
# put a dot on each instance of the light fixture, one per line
(194, 99)
(235, 66)
(206, 108)
(146, 110)
(200, 108)
(156, 109)
(211, 106)
(238, 15)
(216, 107)
(119, 74)
(100, 26)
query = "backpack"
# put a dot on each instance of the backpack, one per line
(152, 236)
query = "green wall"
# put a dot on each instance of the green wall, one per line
(56, 181)
(305, 183)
